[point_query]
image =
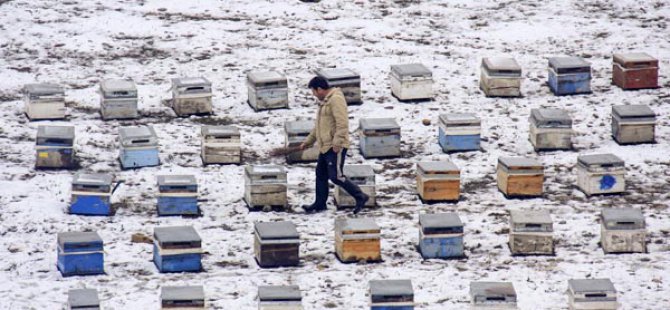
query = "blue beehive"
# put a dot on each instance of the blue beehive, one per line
(380, 137)
(177, 249)
(391, 295)
(83, 299)
(91, 194)
(441, 235)
(80, 253)
(177, 195)
(139, 147)
(569, 76)
(459, 132)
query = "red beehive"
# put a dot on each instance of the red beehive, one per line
(635, 71)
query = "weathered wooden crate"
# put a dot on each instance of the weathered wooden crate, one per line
(267, 90)
(623, 231)
(296, 133)
(265, 185)
(364, 177)
(118, 99)
(601, 174)
(380, 137)
(493, 295)
(441, 235)
(183, 297)
(635, 71)
(347, 80)
(177, 249)
(221, 145)
(80, 253)
(357, 239)
(83, 299)
(531, 233)
(191, 96)
(91, 194)
(391, 295)
(550, 129)
(280, 297)
(633, 124)
(592, 294)
(438, 181)
(177, 195)
(55, 147)
(500, 77)
(411, 82)
(139, 147)
(569, 76)
(459, 132)
(520, 177)
(44, 101)
(276, 244)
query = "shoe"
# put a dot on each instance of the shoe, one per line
(361, 203)
(313, 208)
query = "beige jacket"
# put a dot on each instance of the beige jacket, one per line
(332, 123)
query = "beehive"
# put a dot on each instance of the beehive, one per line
(183, 297)
(83, 299)
(44, 101)
(364, 177)
(500, 77)
(357, 239)
(438, 181)
(391, 295)
(177, 249)
(265, 185)
(633, 124)
(80, 253)
(440, 235)
(520, 177)
(191, 96)
(279, 298)
(493, 295)
(347, 80)
(118, 99)
(550, 129)
(623, 231)
(459, 132)
(591, 294)
(380, 137)
(267, 90)
(635, 71)
(177, 195)
(601, 174)
(55, 147)
(569, 76)
(296, 134)
(531, 233)
(91, 194)
(139, 147)
(411, 82)
(276, 244)
(221, 145)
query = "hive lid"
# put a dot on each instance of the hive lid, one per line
(182, 293)
(111, 85)
(43, 89)
(208, 130)
(492, 288)
(633, 111)
(622, 215)
(176, 234)
(337, 74)
(378, 123)
(137, 132)
(264, 169)
(276, 230)
(438, 166)
(626, 59)
(191, 82)
(591, 285)
(520, 162)
(176, 180)
(569, 64)
(80, 298)
(460, 119)
(78, 237)
(298, 127)
(50, 131)
(279, 293)
(551, 117)
(353, 171)
(415, 69)
(363, 224)
(391, 288)
(530, 217)
(440, 220)
(265, 77)
(504, 64)
(600, 160)
(92, 179)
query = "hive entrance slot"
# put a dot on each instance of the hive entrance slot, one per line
(141, 141)
(595, 295)
(533, 225)
(495, 298)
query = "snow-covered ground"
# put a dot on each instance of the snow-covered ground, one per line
(77, 43)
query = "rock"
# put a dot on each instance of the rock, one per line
(141, 238)
(426, 122)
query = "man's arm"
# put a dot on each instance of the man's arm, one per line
(309, 141)
(341, 116)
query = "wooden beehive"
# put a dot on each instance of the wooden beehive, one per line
(91, 194)
(601, 174)
(80, 253)
(438, 181)
(191, 96)
(296, 134)
(347, 80)
(623, 231)
(139, 147)
(221, 145)
(177, 195)
(357, 239)
(44, 101)
(493, 295)
(459, 132)
(411, 82)
(520, 177)
(500, 77)
(380, 137)
(267, 90)
(183, 297)
(276, 244)
(569, 76)
(635, 71)
(118, 99)
(177, 249)
(632, 124)
(391, 295)
(441, 235)
(280, 297)
(550, 129)
(83, 299)
(531, 233)
(55, 147)
(590, 294)
(364, 177)
(265, 186)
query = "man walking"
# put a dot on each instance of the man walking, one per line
(331, 134)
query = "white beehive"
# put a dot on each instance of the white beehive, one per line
(601, 174)
(191, 96)
(531, 233)
(265, 186)
(267, 90)
(221, 145)
(44, 101)
(623, 231)
(118, 99)
(550, 129)
(500, 77)
(592, 294)
(411, 82)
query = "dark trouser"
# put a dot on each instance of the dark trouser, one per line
(329, 167)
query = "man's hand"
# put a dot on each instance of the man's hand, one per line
(337, 149)
(303, 146)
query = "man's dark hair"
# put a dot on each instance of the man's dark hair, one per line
(318, 82)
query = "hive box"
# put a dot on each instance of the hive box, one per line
(364, 177)
(531, 233)
(380, 137)
(55, 147)
(438, 181)
(44, 101)
(182, 297)
(83, 299)
(391, 295)
(492, 295)
(635, 71)
(267, 90)
(347, 80)
(500, 77)
(440, 235)
(623, 231)
(177, 249)
(592, 294)
(191, 96)
(177, 195)
(357, 239)
(139, 147)
(569, 76)
(633, 124)
(459, 132)
(520, 176)
(91, 194)
(80, 253)
(118, 99)
(265, 185)
(221, 145)
(296, 133)
(279, 298)
(601, 174)
(550, 129)
(276, 244)
(411, 82)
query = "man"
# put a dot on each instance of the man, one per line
(331, 134)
